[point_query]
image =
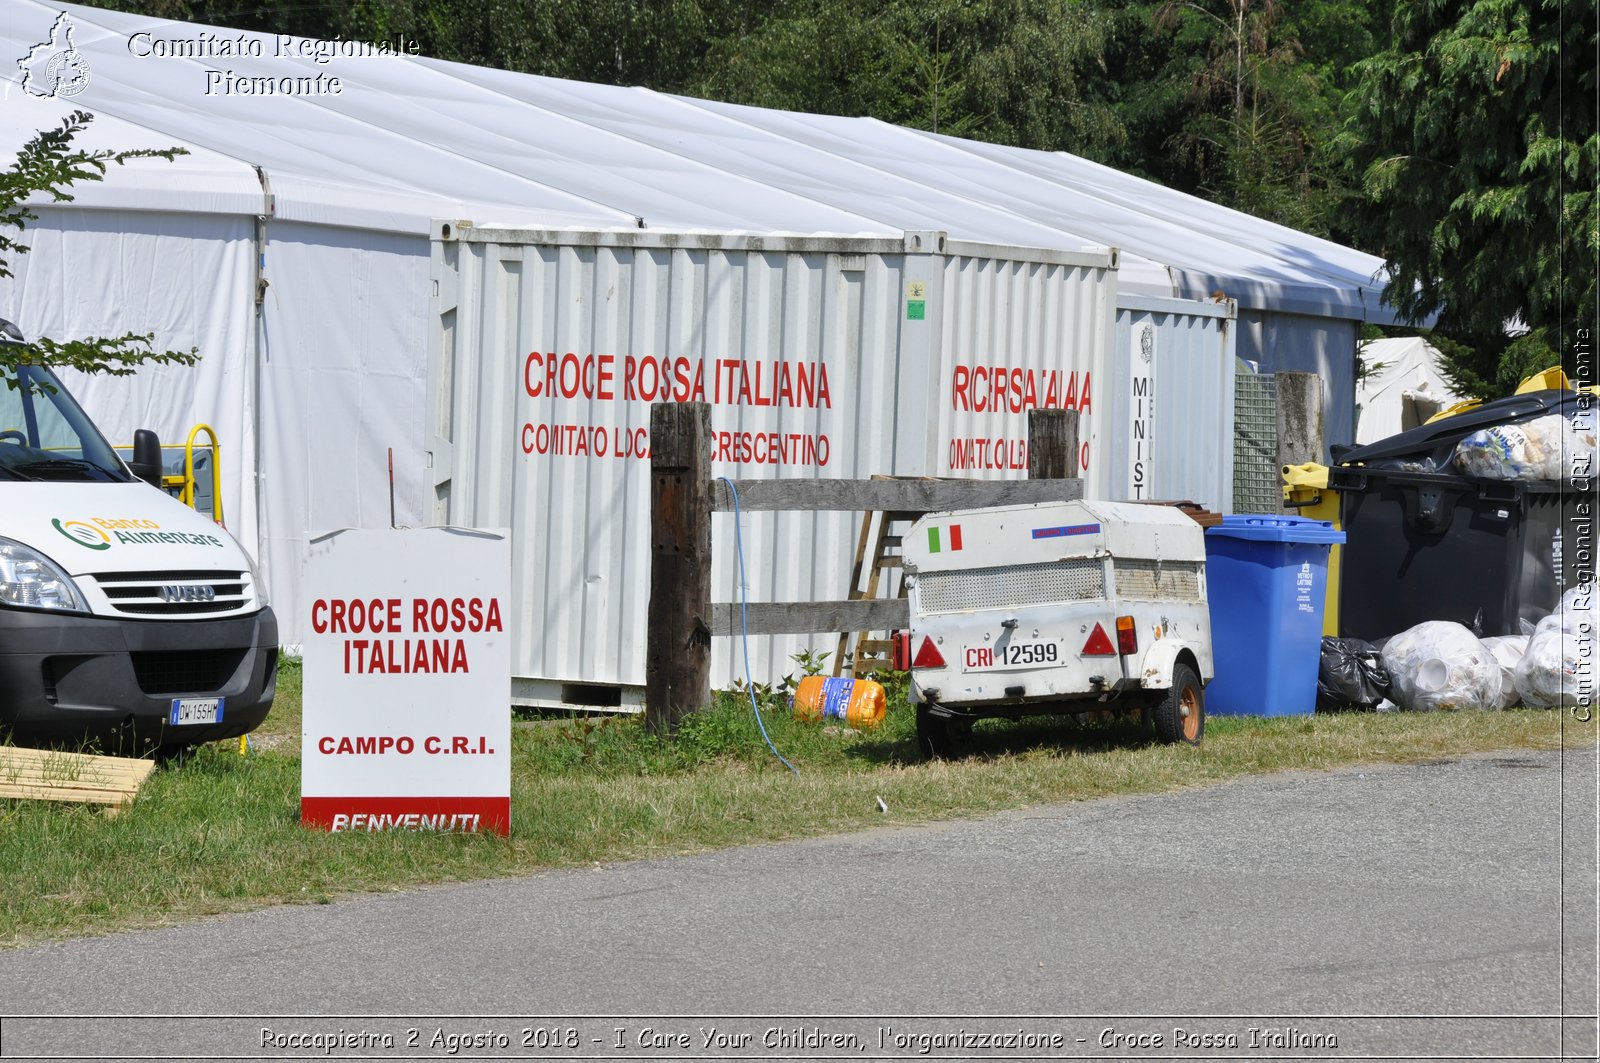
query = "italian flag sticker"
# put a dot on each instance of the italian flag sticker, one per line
(952, 537)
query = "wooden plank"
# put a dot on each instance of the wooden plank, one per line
(90, 777)
(76, 795)
(804, 618)
(1052, 444)
(910, 496)
(677, 662)
(47, 775)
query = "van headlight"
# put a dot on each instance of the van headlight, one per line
(256, 583)
(30, 580)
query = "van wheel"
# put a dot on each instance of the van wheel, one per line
(940, 737)
(1180, 715)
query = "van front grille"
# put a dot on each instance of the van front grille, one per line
(186, 671)
(181, 593)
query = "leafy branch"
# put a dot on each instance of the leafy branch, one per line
(47, 166)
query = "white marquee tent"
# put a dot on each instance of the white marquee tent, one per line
(1401, 389)
(290, 245)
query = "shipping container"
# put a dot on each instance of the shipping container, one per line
(839, 357)
(1169, 392)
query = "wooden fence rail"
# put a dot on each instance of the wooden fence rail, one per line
(681, 619)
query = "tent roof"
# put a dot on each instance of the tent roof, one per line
(408, 139)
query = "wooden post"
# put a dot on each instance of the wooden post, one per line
(1301, 436)
(1052, 444)
(677, 663)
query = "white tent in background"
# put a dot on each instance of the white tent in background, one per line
(1402, 388)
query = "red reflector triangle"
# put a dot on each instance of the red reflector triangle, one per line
(1099, 644)
(928, 655)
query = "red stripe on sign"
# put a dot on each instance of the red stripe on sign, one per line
(441, 815)
(955, 536)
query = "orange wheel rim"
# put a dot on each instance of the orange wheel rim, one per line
(1189, 705)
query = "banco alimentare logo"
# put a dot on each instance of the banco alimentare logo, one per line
(83, 534)
(54, 67)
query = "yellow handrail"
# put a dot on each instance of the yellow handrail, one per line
(187, 498)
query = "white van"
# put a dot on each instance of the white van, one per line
(127, 619)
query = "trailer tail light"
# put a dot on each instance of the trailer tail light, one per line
(928, 655)
(1099, 644)
(900, 651)
(1127, 637)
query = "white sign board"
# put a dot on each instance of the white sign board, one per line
(406, 720)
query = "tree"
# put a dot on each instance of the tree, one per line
(1017, 72)
(1474, 136)
(1237, 100)
(46, 166)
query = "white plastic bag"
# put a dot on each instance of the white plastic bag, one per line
(1560, 664)
(1558, 669)
(1575, 613)
(1441, 665)
(1508, 650)
(1545, 448)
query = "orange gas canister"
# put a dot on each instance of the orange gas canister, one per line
(857, 702)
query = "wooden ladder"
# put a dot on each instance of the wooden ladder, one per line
(868, 654)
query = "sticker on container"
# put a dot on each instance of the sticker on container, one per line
(916, 300)
(1061, 531)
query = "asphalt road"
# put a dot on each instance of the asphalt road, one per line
(1436, 910)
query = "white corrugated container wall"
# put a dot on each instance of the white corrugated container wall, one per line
(839, 357)
(1170, 434)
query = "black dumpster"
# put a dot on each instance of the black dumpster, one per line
(1436, 546)
(1426, 543)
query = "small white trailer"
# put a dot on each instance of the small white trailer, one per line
(1057, 607)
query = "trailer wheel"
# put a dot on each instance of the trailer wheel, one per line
(940, 737)
(1180, 715)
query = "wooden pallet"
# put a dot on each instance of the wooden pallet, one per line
(46, 775)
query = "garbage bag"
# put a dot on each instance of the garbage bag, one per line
(1558, 669)
(1508, 651)
(1575, 613)
(1551, 447)
(1351, 676)
(1441, 665)
(1578, 606)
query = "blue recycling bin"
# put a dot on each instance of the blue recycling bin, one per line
(1266, 576)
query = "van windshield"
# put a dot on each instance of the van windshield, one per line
(44, 435)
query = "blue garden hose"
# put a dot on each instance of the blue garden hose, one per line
(744, 627)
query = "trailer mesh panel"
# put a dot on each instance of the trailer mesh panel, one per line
(1076, 579)
(1150, 580)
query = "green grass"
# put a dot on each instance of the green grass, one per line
(220, 832)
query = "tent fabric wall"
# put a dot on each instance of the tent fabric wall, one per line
(344, 364)
(187, 279)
